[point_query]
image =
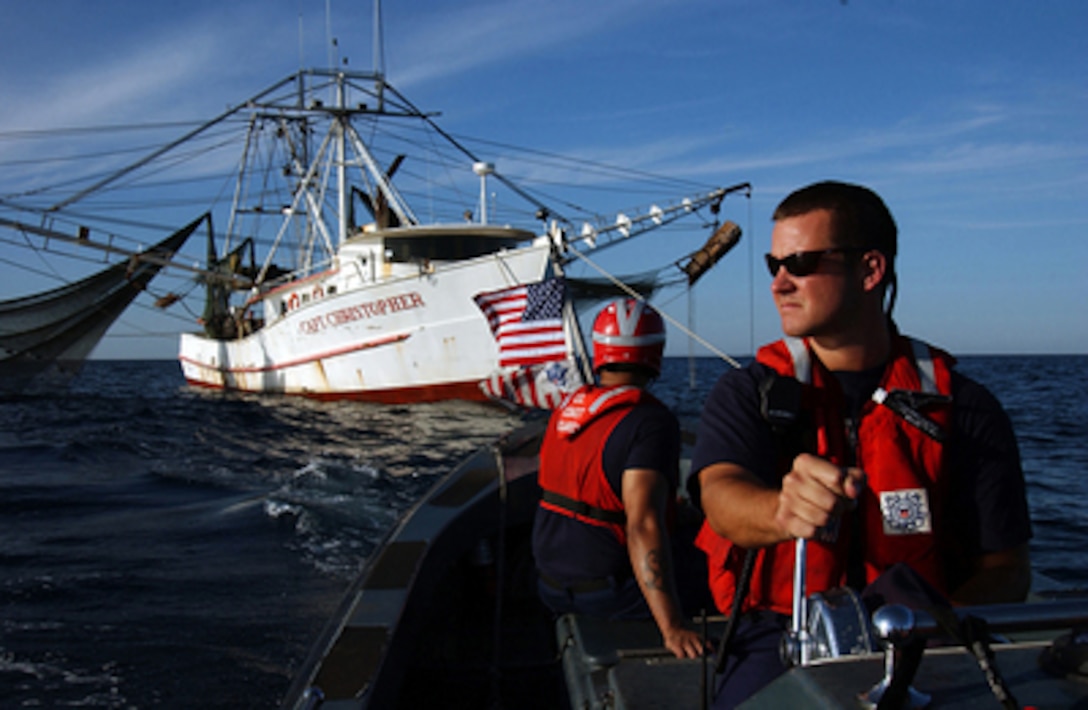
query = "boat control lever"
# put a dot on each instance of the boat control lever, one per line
(894, 626)
(797, 643)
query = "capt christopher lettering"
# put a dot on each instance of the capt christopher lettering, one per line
(362, 311)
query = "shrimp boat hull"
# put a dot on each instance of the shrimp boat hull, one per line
(410, 334)
(445, 614)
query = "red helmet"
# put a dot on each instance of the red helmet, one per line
(628, 331)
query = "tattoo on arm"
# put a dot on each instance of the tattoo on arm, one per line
(652, 573)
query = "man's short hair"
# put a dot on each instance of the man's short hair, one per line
(859, 217)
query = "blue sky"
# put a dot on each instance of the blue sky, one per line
(970, 118)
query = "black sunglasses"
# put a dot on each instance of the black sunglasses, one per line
(805, 263)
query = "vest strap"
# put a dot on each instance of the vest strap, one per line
(615, 517)
(923, 361)
(802, 363)
(909, 406)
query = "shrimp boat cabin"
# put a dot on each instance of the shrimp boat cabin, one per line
(445, 614)
(389, 310)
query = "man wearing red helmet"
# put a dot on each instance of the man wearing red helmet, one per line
(609, 472)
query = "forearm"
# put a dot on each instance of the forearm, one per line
(739, 507)
(644, 499)
(651, 561)
(743, 509)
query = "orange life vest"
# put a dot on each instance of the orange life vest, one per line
(572, 475)
(905, 469)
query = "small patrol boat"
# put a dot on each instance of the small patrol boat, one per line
(445, 614)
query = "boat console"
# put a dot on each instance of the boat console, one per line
(1039, 649)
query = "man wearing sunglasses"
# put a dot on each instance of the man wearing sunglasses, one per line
(846, 433)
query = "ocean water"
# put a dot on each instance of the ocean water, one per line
(167, 547)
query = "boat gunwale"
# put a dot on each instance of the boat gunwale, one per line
(403, 602)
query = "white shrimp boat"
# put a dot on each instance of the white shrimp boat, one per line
(386, 311)
(326, 283)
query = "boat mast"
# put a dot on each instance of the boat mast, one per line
(379, 56)
(379, 49)
(240, 185)
(341, 167)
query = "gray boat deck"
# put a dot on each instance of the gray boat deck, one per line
(623, 666)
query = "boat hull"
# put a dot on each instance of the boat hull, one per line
(414, 338)
(45, 337)
(445, 613)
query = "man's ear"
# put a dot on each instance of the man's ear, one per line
(874, 269)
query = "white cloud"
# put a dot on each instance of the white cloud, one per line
(441, 44)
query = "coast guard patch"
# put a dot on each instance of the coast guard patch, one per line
(906, 512)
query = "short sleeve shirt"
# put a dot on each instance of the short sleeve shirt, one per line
(568, 550)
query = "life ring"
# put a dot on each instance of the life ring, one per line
(292, 302)
(318, 292)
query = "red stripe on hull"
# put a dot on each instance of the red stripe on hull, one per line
(469, 391)
(302, 361)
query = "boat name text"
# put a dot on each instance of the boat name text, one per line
(362, 311)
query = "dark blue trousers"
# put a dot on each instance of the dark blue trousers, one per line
(622, 600)
(753, 659)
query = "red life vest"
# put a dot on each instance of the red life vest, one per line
(905, 471)
(572, 474)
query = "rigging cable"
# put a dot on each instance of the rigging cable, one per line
(751, 286)
(691, 343)
(584, 167)
(637, 296)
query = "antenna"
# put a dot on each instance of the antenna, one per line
(328, 33)
(379, 57)
(379, 47)
(301, 46)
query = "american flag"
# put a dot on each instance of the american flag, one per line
(543, 386)
(527, 322)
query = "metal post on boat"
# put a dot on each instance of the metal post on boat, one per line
(483, 170)
(341, 168)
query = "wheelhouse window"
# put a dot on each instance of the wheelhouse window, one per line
(446, 247)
